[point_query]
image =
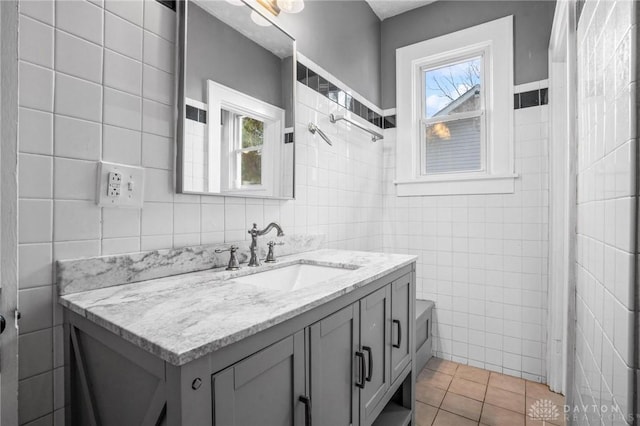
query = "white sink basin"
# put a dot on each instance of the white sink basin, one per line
(293, 277)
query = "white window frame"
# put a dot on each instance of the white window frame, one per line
(220, 97)
(494, 40)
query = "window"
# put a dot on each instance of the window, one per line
(245, 151)
(247, 143)
(250, 153)
(452, 117)
(454, 108)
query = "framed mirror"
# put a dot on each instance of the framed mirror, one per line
(236, 113)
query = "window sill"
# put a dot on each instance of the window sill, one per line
(457, 185)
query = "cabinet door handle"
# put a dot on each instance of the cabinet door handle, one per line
(362, 378)
(370, 366)
(307, 409)
(397, 345)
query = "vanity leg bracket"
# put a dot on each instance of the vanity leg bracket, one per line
(157, 406)
(84, 380)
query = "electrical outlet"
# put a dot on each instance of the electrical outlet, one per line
(113, 192)
(115, 178)
(120, 185)
(113, 187)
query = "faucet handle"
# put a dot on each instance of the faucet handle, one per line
(231, 248)
(271, 257)
(233, 264)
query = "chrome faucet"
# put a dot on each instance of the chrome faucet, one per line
(255, 233)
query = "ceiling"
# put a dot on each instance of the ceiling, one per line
(388, 8)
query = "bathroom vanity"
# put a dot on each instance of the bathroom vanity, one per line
(319, 338)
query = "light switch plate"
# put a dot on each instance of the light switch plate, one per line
(120, 185)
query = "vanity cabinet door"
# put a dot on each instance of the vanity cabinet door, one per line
(334, 368)
(400, 325)
(375, 311)
(263, 389)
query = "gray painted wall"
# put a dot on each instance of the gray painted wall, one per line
(218, 52)
(342, 37)
(532, 22)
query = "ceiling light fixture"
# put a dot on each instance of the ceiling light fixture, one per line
(270, 5)
(276, 6)
(290, 6)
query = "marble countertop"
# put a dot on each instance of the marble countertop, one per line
(184, 317)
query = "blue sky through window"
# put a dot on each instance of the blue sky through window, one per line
(446, 84)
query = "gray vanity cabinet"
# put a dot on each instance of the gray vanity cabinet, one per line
(263, 389)
(375, 311)
(332, 365)
(334, 369)
(352, 358)
(401, 297)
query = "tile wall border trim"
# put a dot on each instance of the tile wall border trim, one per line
(316, 78)
(531, 98)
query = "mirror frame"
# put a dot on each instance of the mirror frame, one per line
(180, 114)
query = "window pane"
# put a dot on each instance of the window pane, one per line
(453, 146)
(453, 88)
(252, 132)
(251, 168)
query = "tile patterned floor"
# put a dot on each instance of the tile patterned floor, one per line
(451, 394)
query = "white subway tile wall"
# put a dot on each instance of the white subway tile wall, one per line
(607, 140)
(483, 258)
(103, 113)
